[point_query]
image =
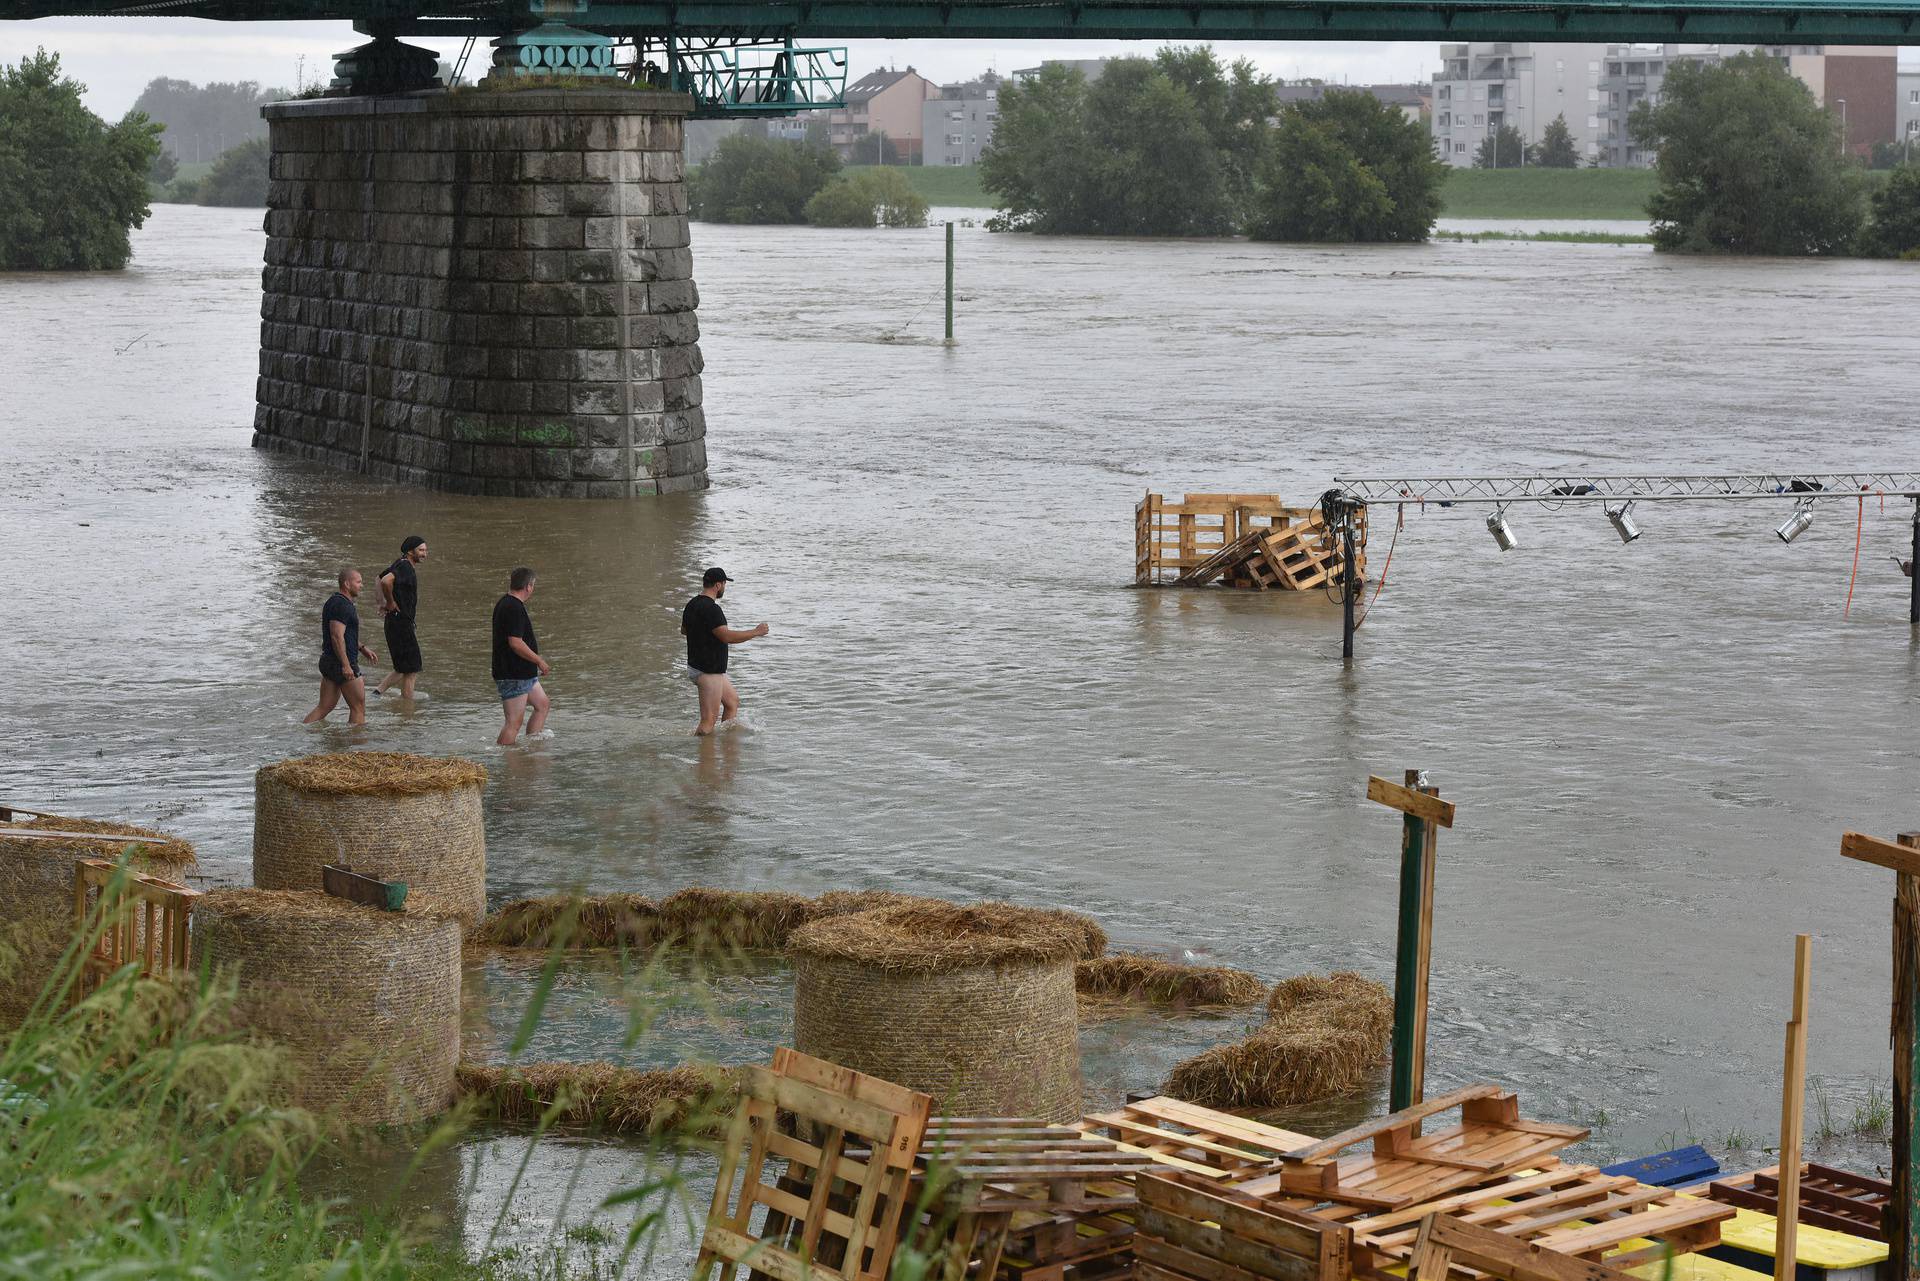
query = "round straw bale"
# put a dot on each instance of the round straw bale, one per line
(365, 1002)
(36, 883)
(388, 814)
(973, 1005)
(1275, 1067)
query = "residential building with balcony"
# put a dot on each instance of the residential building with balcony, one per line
(1907, 92)
(1482, 87)
(1635, 73)
(957, 126)
(883, 102)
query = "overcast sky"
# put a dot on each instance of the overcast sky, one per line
(116, 57)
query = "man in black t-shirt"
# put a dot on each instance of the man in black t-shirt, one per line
(517, 665)
(704, 624)
(341, 652)
(399, 603)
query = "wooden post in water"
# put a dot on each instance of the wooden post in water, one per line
(1786, 1224)
(1903, 1210)
(1423, 813)
(949, 282)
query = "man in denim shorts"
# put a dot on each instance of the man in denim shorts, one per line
(517, 665)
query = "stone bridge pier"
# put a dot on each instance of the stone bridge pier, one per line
(484, 292)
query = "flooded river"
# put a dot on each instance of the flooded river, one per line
(1654, 748)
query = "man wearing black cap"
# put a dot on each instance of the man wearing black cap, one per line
(704, 625)
(399, 599)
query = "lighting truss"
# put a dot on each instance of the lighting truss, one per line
(1571, 487)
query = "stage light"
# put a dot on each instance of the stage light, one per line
(1501, 531)
(1796, 524)
(1623, 523)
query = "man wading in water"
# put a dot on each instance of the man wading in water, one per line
(399, 601)
(704, 625)
(340, 652)
(517, 665)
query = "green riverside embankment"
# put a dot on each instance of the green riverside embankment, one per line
(1611, 194)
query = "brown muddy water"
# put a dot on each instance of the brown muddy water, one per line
(1654, 747)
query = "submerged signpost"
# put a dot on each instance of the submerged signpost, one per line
(1423, 814)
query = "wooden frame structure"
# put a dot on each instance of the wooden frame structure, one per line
(840, 1147)
(147, 926)
(1252, 541)
(1838, 1200)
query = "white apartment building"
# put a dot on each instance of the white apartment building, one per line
(1907, 100)
(1481, 87)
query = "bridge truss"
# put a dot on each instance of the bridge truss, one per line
(1743, 21)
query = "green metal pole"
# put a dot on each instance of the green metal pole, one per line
(949, 284)
(1903, 1215)
(1409, 984)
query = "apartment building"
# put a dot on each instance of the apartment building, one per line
(1632, 74)
(1907, 93)
(1481, 87)
(883, 102)
(957, 126)
(1412, 101)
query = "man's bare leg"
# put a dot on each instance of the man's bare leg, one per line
(514, 709)
(329, 696)
(355, 692)
(711, 698)
(729, 700)
(406, 684)
(387, 684)
(537, 699)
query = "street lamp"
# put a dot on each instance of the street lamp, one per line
(1843, 125)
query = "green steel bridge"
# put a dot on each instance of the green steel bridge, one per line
(1705, 21)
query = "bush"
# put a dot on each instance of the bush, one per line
(1749, 163)
(1896, 213)
(71, 186)
(238, 178)
(757, 180)
(1556, 149)
(1504, 148)
(875, 197)
(1166, 147)
(1348, 168)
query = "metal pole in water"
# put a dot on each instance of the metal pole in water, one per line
(1349, 590)
(949, 283)
(1409, 982)
(1913, 604)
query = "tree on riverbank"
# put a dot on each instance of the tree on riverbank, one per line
(1348, 168)
(1160, 147)
(1504, 148)
(71, 186)
(238, 179)
(1556, 149)
(871, 198)
(759, 180)
(1896, 213)
(1748, 163)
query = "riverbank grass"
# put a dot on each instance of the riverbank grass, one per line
(1602, 194)
(953, 185)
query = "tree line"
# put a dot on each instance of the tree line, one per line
(752, 179)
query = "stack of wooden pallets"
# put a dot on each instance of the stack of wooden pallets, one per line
(1251, 541)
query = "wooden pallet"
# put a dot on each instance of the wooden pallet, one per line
(1829, 1198)
(1449, 1247)
(1186, 1136)
(1405, 1168)
(1250, 541)
(827, 1153)
(1024, 1200)
(1190, 1227)
(1575, 1211)
(146, 925)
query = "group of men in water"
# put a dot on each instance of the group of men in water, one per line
(517, 665)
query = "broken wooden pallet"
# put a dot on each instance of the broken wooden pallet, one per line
(1186, 1136)
(827, 1153)
(1829, 1198)
(143, 923)
(1190, 1227)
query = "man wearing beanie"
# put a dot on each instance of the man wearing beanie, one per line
(399, 599)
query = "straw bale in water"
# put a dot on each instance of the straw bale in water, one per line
(1323, 1037)
(366, 1003)
(1341, 999)
(1134, 976)
(603, 1096)
(933, 937)
(1274, 1067)
(388, 814)
(375, 774)
(36, 884)
(562, 920)
(703, 919)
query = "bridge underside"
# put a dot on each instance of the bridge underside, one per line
(1705, 21)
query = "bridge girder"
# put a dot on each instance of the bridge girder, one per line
(1701, 21)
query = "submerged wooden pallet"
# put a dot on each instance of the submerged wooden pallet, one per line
(1189, 1137)
(1252, 541)
(1829, 1198)
(822, 1155)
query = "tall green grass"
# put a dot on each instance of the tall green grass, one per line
(1609, 194)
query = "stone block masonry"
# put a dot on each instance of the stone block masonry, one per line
(489, 293)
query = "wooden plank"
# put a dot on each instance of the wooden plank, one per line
(1881, 853)
(1513, 1188)
(1504, 1256)
(1169, 1195)
(1327, 1148)
(98, 838)
(1792, 1103)
(1647, 1223)
(356, 887)
(1408, 801)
